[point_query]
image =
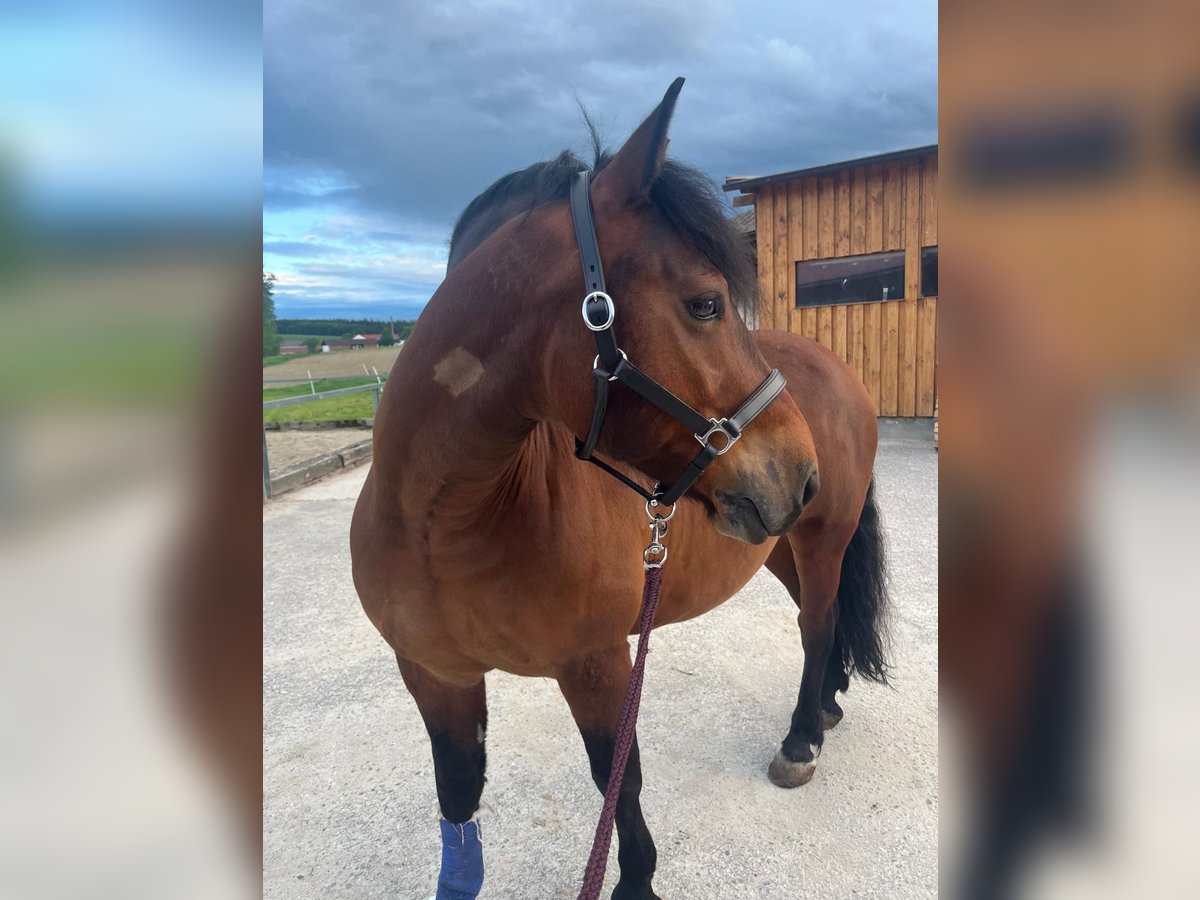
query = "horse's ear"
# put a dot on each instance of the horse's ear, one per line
(627, 178)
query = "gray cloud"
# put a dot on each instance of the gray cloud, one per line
(398, 114)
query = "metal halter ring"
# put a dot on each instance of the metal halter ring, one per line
(655, 516)
(612, 310)
(596, 363)
(718, 427)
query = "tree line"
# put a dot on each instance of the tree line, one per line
(342, 327)
(271, 339)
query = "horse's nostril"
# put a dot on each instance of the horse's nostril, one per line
(811, 487)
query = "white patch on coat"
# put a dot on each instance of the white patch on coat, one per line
(457, 371)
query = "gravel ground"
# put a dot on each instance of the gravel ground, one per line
(350, 808)
(286, 448)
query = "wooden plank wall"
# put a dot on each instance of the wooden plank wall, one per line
(891, 346)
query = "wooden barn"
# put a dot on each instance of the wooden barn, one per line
(847, 255)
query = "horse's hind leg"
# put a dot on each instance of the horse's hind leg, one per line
(783, 566)
(811, 576)
(836, 679)
(594, 687)
(456, 718)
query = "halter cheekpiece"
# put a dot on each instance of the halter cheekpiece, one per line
(716, 436)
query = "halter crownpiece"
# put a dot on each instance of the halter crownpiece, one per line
(716, 436)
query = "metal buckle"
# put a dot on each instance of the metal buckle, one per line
(718, 427)
(612, 310)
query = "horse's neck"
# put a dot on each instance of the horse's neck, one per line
(464, 399)
(451, 427)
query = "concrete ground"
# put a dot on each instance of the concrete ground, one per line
(350, 807)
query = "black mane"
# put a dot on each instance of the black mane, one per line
(528, 188)
(688, 200)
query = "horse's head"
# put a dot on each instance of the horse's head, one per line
(680, 275)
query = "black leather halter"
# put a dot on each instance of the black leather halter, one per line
(716, 436)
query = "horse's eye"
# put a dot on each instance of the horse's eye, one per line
(704, 307)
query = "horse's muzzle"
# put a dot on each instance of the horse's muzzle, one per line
(761, 509)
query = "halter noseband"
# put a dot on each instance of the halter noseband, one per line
(716, 436)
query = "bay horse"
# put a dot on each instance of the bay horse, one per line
(516, 557)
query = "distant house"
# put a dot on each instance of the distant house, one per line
(292, 348)
(357, 342)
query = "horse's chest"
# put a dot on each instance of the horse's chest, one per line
(529, 605)
(563, 605)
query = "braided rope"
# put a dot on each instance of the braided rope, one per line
(593, 879)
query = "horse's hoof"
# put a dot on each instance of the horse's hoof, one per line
(786, 773)
(829, 719)
(627, 892)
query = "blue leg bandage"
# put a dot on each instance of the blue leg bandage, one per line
(462, 861)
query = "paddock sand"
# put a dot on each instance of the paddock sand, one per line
(337, 364)
(286, 448)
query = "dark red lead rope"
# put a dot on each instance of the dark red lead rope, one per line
(593, 878)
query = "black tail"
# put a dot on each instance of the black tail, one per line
(861, 633)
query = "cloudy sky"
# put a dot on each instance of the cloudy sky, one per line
(384, 118)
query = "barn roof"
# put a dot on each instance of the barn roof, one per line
(752, 182)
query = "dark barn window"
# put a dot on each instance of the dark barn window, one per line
(1059, 147)
(869, 278)
(929, 272)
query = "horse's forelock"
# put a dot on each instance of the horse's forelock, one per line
(688, 201)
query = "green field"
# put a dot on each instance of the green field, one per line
(351, 406)
(125, 365)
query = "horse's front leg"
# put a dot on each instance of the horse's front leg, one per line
(594, 687)
(456, 718)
